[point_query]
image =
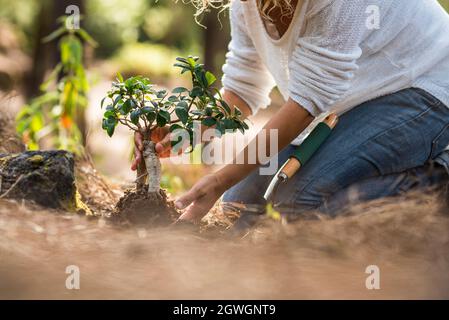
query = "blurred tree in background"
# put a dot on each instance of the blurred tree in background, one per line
(445, 4)
(138, 36)
(56, 118)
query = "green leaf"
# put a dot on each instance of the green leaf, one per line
(102, 102)
(220, 127)
(197, 112)
(147, 109)
(192, 61)
(182, 114)
(129, 83)
(173, 99)
(179, 90)
(37, 122)
(182, 66)
(229, 124)
(196, 92)
(165, 114)
(208, 111)
(210, 78)
(117, 100)
(128, 106)
(135, 114)
(161, 121)
(55, 34)
(225, 106)
(161, 94)
(109, 125)
(119, 77)
(237, 111)
(162, 118)
(86, 37)
(209, 121)
(183, 60)
(109, 113)
(183, 104)
(151, 116)
(175, 126)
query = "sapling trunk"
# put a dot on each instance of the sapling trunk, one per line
(141, 176)
(153, 166)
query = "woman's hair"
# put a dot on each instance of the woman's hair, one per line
(265, 6)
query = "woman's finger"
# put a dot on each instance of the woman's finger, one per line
(196, 211)
(138, 140)
(185, 200)
(137, 159)
(164, 145)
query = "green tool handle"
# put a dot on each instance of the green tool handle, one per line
(312, 143)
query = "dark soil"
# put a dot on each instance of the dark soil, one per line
(146, 209)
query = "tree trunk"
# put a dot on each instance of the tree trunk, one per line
(153, 166)
(141, 180)
(45, 55)
(216, 39)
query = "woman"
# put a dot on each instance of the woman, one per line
(382, 65)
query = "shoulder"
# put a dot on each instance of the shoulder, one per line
(236, 8)
(317, 7)
(237, 15)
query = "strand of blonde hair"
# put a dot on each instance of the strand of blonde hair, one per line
(265, 6)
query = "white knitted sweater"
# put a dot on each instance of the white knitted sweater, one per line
(334, 56)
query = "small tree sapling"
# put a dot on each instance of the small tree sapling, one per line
(138, 105)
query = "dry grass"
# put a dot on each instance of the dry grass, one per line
(408, 240)
(9, 142)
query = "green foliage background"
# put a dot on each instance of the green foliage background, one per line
(126, 29)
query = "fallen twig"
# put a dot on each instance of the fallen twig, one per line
(12, 187)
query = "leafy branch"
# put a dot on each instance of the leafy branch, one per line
(138, 105)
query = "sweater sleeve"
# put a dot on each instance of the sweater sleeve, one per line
(324, 60)
(244, 72)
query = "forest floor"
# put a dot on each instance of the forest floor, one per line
(407, 238)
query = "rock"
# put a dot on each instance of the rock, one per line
(45, 177)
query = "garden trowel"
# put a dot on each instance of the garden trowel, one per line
(302, 154)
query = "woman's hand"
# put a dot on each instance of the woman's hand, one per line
(201, 198)
(163, 144)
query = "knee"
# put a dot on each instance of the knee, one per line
(308, 197)
(248, 191)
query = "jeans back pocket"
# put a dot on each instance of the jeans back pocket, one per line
(440, 143)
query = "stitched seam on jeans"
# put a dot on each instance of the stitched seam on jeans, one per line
(434, 101)
(329, 166)
(435, 141)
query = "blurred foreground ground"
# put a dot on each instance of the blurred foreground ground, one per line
(407, 240)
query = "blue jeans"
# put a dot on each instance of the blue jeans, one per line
(381, 148)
